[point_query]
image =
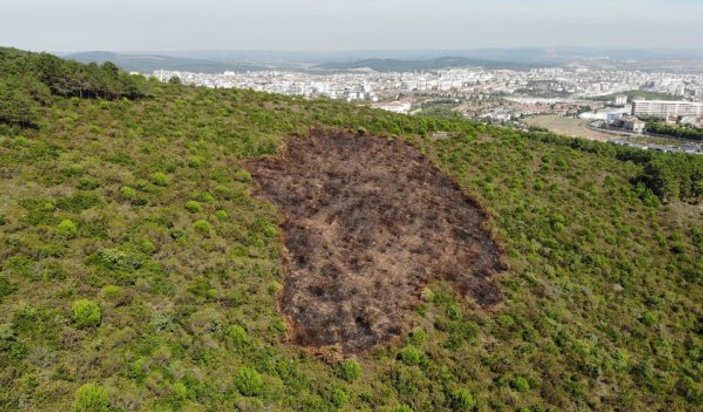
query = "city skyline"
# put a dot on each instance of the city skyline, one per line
(315, 25)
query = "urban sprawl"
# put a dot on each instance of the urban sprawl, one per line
(607, 97)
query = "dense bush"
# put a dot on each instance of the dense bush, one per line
(67, 228)
(462, 400)
(239, 336)
(248, 381)
(202, 226)
(68, 78)
(685, 132)
(86, 313)
(193, 206)
(159, 179)
(92, 397)
(600, 309)
(349, 370)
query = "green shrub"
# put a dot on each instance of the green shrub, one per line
(520, 384)
(22, 141)
(269, 230)
(78, 202)
(278, 326)
(118, 259)
(239, 336)
(454, 312)
(6, 332)
(248, 381)
(404, 408)
(223, 192)
(147, 247)
(417, 337)
(221, 215)
(196, 162)
(273, 288)
(205, 197)
(128, 193)
(505, 320)
(89, 184)
(427, 294)
(111, 292)
(176, 233)
(339, 397)
(242, 176)
(202, 226)
(159, 179)
(6, 287)
(180, 390)
(462, 400)
(86, 313)
(92, 397)
(410, 355)
(67, 228)
(193, 206)
(650, 318)
(349, 370)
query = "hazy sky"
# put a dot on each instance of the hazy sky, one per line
(123, 25)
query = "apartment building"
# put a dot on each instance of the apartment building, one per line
(664, 108)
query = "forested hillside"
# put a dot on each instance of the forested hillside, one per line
(139, 272)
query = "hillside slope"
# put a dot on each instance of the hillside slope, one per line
(138, 271)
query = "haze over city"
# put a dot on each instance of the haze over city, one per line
(334, 25)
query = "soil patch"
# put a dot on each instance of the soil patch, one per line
(368, 222)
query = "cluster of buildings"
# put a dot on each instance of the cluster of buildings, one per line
(347, 86)
(469, 83)
(504, 96)
(666, 108)
(516, 108)
(630, 123)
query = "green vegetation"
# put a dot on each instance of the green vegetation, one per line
(193, 207)
(462, 400)
(86, 313)
(159, 179)
(248, 381)
(682, 131)
(67, 228)
(602, 307)
(92, 398)
(350, 370)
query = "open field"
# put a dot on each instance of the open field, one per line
(570, 127)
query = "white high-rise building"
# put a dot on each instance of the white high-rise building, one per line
(663, 108)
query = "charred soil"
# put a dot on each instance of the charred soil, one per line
(368, 222)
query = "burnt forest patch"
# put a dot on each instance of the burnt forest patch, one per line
(368, 222)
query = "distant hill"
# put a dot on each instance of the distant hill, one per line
(148, 63)
(396, 65)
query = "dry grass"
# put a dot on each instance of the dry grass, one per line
(570, 127)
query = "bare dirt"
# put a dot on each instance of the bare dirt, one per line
(570, 127)
(368, 222)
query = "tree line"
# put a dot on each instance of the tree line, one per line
(29, 80)
(684, 132)
(667, 175)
